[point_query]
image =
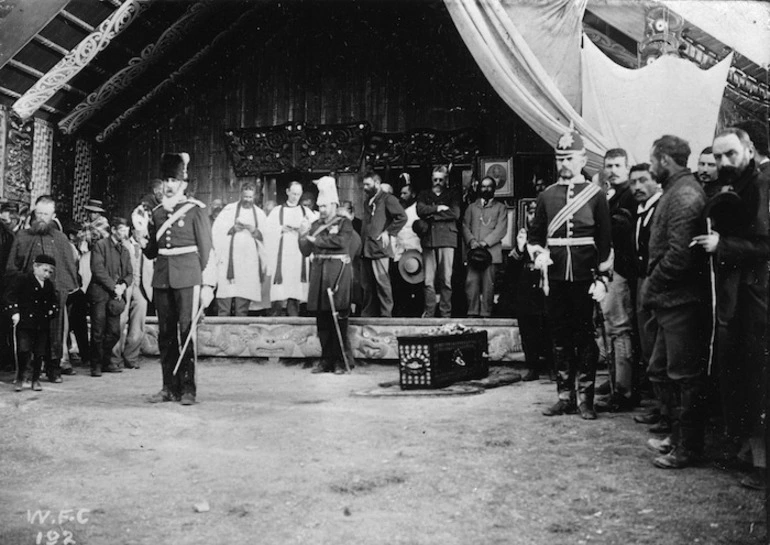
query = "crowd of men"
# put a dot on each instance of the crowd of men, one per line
(662, 271)
(665, 271)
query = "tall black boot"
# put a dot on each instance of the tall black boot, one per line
(588, 357)
(688, 427)
(564, 385)
(667, 403)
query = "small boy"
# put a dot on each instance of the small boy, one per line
(30, 301)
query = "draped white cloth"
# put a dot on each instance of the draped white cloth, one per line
(515, 71)
(527, 49)
(632, 108)
(247, 258)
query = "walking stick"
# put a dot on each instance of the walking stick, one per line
(16, 357)
(713, 286)
(193, 327)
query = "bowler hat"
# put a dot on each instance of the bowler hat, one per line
(115, 307)
(410, 267)
(727, 211)
(94, 205)
(421, 228)
(479, 258)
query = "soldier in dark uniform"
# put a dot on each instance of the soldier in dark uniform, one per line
(179, 239)
(571, 239)
(332, 241)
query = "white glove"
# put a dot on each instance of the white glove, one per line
(15, 319)
(598, 291)
(542, 261)
(207, 295)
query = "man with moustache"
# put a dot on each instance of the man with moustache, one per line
(383, 219)
(43, 237)
(332, 241)
(707, 172)
(111, 275)
(178, 237)
(647, 194)
(287, 267)
(440, 208)
(407, 295)
(240, 252)
(571, 243)
(618, 307)
(485, 223)
(759, 138)
(676, 291)
(740, 244)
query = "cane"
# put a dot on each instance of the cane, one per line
(16, 357)
(336, 316)
(713, 287)
(193, 326)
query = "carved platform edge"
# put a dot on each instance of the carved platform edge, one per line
(295, 337)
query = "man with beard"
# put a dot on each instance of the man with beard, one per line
(485, 223)
(707, 172)
(440, 208)
(382, 221)
(571, 244)
(111, 275)
(332, 241)
(407, 294)
(288, 267)
(675, 290)
(240, 252)
(618, 307)
(184, 278)
(740, 245)
(42, 237)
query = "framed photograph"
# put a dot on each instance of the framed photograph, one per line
(501, 171)
(510, 233)
(524, 205)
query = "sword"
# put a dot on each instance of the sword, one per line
(713, 289)
(193, 327)
(609, 349)
(336, 316)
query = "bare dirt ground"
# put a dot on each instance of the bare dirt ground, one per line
(282, 456)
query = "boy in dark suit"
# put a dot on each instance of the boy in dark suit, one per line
(31, 302)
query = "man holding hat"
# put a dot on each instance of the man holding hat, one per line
(484, 225)
(178, 237)
(571, 245)
(332, 241)
(407, 271)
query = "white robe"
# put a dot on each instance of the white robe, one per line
(247, 260)
(292, 286)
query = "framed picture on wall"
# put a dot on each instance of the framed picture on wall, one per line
(500, 169)
(524, 205)
(510, 233)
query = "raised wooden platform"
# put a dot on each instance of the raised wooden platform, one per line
(288, 337)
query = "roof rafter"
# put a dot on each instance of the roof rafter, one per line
(76, 21)
(79, 57)
(239, 24)
(13, 94)
(135, 67)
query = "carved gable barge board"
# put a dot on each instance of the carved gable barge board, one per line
(421, 147)
(241, 24)
(79, 57)
(135, 67)
(296, 146)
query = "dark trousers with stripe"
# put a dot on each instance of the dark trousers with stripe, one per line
(176, 308)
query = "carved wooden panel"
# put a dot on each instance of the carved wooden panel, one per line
(420, 147)
(17, 176)
(297, 146)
